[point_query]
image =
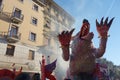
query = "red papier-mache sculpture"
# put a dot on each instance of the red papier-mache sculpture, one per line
(47, 70)
(83, 53)
(6, 74)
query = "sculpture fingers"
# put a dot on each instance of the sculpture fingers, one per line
(110, 22)
(65, 37)
(62, 35)
(101, 23)
(97, 23)
(72, 31)
(66, 32)
(103, 27)
(63, 32)
(105, 22)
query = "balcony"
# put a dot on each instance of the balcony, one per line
(4, 15)
(17, 18)
(47, 25)
(40, 2)
(12, 38)
(46, 28)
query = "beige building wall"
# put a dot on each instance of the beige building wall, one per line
(26, 26)
(24, 44)
(20, 58)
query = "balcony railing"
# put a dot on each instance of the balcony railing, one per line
(40, 2)
(12, 38)
(17, 18)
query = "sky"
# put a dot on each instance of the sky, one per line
(96, 9)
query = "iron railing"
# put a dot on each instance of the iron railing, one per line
(10, 37)
(15, 17)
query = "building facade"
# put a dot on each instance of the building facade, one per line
(56, 20)
(21, 31)
(28, 30)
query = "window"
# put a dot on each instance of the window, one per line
(17, 13)
(47, 24)
(14, 31)
(34, 21)
(31, 55)
(32, 36)
(35, 7)
(10, 50)
(48, 8)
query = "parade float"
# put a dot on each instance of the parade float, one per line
(82, 59)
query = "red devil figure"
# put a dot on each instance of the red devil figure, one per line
(46, 70)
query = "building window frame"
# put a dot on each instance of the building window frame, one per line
(35, 7)
(31, 55)
(17, 13)
(34, 21)
(32, 36)
(13, 31)
(47, 24)
(10, 50)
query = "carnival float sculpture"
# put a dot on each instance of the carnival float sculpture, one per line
(83, 54)
(46, 70)
(6, 74)
(101, 72)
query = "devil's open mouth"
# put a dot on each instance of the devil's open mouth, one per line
(84, 30)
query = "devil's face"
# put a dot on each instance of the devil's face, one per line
(84, 32)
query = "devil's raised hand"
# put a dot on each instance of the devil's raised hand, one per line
(103, 27)
(65, 37)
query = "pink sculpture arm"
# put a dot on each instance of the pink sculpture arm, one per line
(102, 29)
(64, 39)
